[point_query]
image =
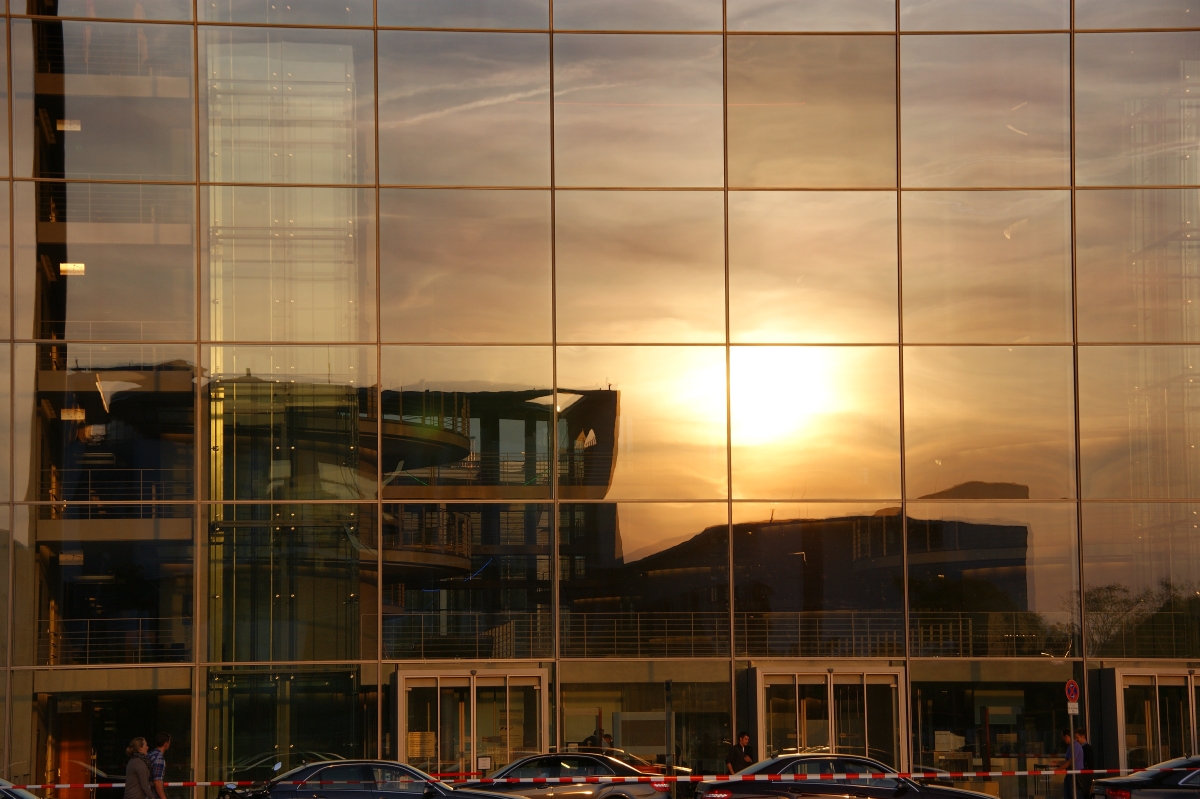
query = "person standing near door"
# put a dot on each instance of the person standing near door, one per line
(158, 764)
(1089, 762)
(741, 754)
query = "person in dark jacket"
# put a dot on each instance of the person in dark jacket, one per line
(1089, 761)
(740, 755)
(137, 771)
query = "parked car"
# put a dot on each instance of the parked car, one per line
(9, 792)
(577, 764)
(1153, 784)
(259, 765)
(867, 787)
(644, 766)
(356, 779)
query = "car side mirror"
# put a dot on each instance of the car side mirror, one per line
(430, 791)
(901, 789)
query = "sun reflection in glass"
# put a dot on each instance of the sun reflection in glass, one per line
(777, 392)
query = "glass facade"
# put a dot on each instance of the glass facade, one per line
(445, 379)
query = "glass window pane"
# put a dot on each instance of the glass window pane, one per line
(25, 239)
(987, 266)
(641, 423)
(807, 578)
(815, 422)
(4, 99)
(6, 439)
(467, 581)
(290, 422)
(466, 422)
(1011, 589)
(291, 582)
(327, 712)
(812, 111)
(287, 264)
(287, 105)
(815, 267)
(1138, 265)
(112, 9)
(468, 109)
(464, 266)
(1133, 124)
(1138, 417)
(644, 579)
(989, 422)
(1140, 563)
(629, 699)
(104, 422)
(640, 266)
(985, 110)
(973, 15)
(292, 12)
(1143, 14)
(635, 110)
(103, 100)
(810, 15)
(638, 15)
(1011, 710)
(60, 714)
(105, 261)
(104, 584)
(464, 13)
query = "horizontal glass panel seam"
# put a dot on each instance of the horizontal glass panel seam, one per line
(466, 187)
(1147, 501)
(122, 666)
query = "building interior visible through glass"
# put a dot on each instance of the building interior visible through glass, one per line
(454, 381)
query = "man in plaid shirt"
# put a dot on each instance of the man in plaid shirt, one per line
(158, 764)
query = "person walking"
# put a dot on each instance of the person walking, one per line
(158, 764)
(1089, 762)
(740, 754)
(137, 771)
(1072, 761)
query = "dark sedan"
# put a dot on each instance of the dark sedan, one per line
(355, 779)
(576, 765)
(866, 787)
(1154, 784)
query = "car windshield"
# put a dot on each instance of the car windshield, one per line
(287, 775)
(21, 792)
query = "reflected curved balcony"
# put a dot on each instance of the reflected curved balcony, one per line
(431, 544)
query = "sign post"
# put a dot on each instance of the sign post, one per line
(1072, 691)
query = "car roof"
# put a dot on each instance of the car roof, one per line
(612, 762)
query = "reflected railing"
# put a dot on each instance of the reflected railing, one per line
(644, 635)
(850, 633)
(506, 469)
(451, 634)
(1164, 634)
(107, 203)
(115, 485)
(82, 642)
(1000, 634)
(439, 530)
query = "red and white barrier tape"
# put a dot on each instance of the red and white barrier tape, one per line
(646, 778)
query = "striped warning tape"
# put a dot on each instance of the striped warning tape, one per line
(647, 778)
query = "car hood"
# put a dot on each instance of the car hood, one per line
(471, 793)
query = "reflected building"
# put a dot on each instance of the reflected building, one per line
(450, 382)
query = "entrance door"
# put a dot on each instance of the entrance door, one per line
(853, 713)
(1158, 714)
(457, 724)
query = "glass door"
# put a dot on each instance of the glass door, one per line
(456, 725)
(865, 719)
(1158, 717)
